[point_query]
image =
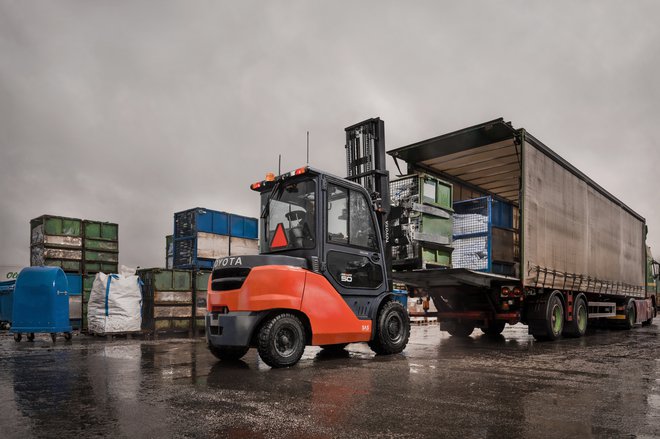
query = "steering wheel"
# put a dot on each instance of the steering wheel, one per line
(295, 215)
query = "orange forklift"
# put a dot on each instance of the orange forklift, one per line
(323, 275)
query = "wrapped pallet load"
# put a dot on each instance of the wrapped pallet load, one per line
(115, 303)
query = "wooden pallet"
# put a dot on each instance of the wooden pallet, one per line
(423, 321)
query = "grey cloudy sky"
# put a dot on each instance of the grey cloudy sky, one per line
(130, 111)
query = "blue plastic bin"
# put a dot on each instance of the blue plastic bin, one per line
(41, 303)
(244, 227)
(6, 296)
(402, 297)
(189, 222)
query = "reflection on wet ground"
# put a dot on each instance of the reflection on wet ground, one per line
(606, 384)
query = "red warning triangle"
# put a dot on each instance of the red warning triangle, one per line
(279, 239)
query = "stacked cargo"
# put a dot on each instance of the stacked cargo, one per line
(484, 237)
(100, 247)
(170, 303)
(57, 241)
(169, 251)
(81, 248)
(202, 235)
(420, 223)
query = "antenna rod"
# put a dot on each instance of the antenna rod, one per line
(308, 147)
(279, 165)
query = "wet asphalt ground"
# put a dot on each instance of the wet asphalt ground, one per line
(604, 385)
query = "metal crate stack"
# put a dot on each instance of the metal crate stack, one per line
(57, 241)
(202, 235)
(170, 302)
(484, 237)
(81, 248)
(100, 247)
(169, 251)
(420, 223)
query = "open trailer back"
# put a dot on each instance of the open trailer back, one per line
(571, 252)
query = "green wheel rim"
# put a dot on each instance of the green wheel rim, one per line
(557, 318)
(582, 317)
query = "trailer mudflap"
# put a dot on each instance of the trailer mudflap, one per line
(643, 309)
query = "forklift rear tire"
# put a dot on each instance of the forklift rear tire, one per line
(228, 353)
(495, 328)
(461, 329)
(392, 329)
(281, 340)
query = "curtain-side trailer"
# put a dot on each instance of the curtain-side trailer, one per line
(578, 253)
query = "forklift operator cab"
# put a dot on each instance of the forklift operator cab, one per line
(319, 279)
(337, 237)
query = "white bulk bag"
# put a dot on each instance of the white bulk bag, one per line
(115, 303)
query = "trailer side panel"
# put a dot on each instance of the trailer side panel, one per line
(575, 237)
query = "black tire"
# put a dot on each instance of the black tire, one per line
(30, 336)
(495, 328)
(67, 336)
(459, 329)
(630, 314)
(228, 353)
(17, 337)
(577, 327)
(553, 323)
(281, 340)
(392, 329)
(53, 336)
(334, 347)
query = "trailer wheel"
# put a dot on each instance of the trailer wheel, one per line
(392, 329)
(552, 325)
(281, 340)
(629, 322)
(228, 353)
(578, 327)
(461, 329)
(494, 328)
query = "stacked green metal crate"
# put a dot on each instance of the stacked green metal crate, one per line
(100, 247)
(87, 283)
(56, 241)
(169, 305)
(420, 222)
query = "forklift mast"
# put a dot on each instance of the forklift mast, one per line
(366, 166)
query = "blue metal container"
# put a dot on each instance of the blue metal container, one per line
(483, 237)
(41, 302)
(188, 222)
(244, 227)
(401, 296)
(6, 296)
(75, 300)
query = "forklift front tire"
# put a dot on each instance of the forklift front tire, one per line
(228, 353)
(392, 329)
